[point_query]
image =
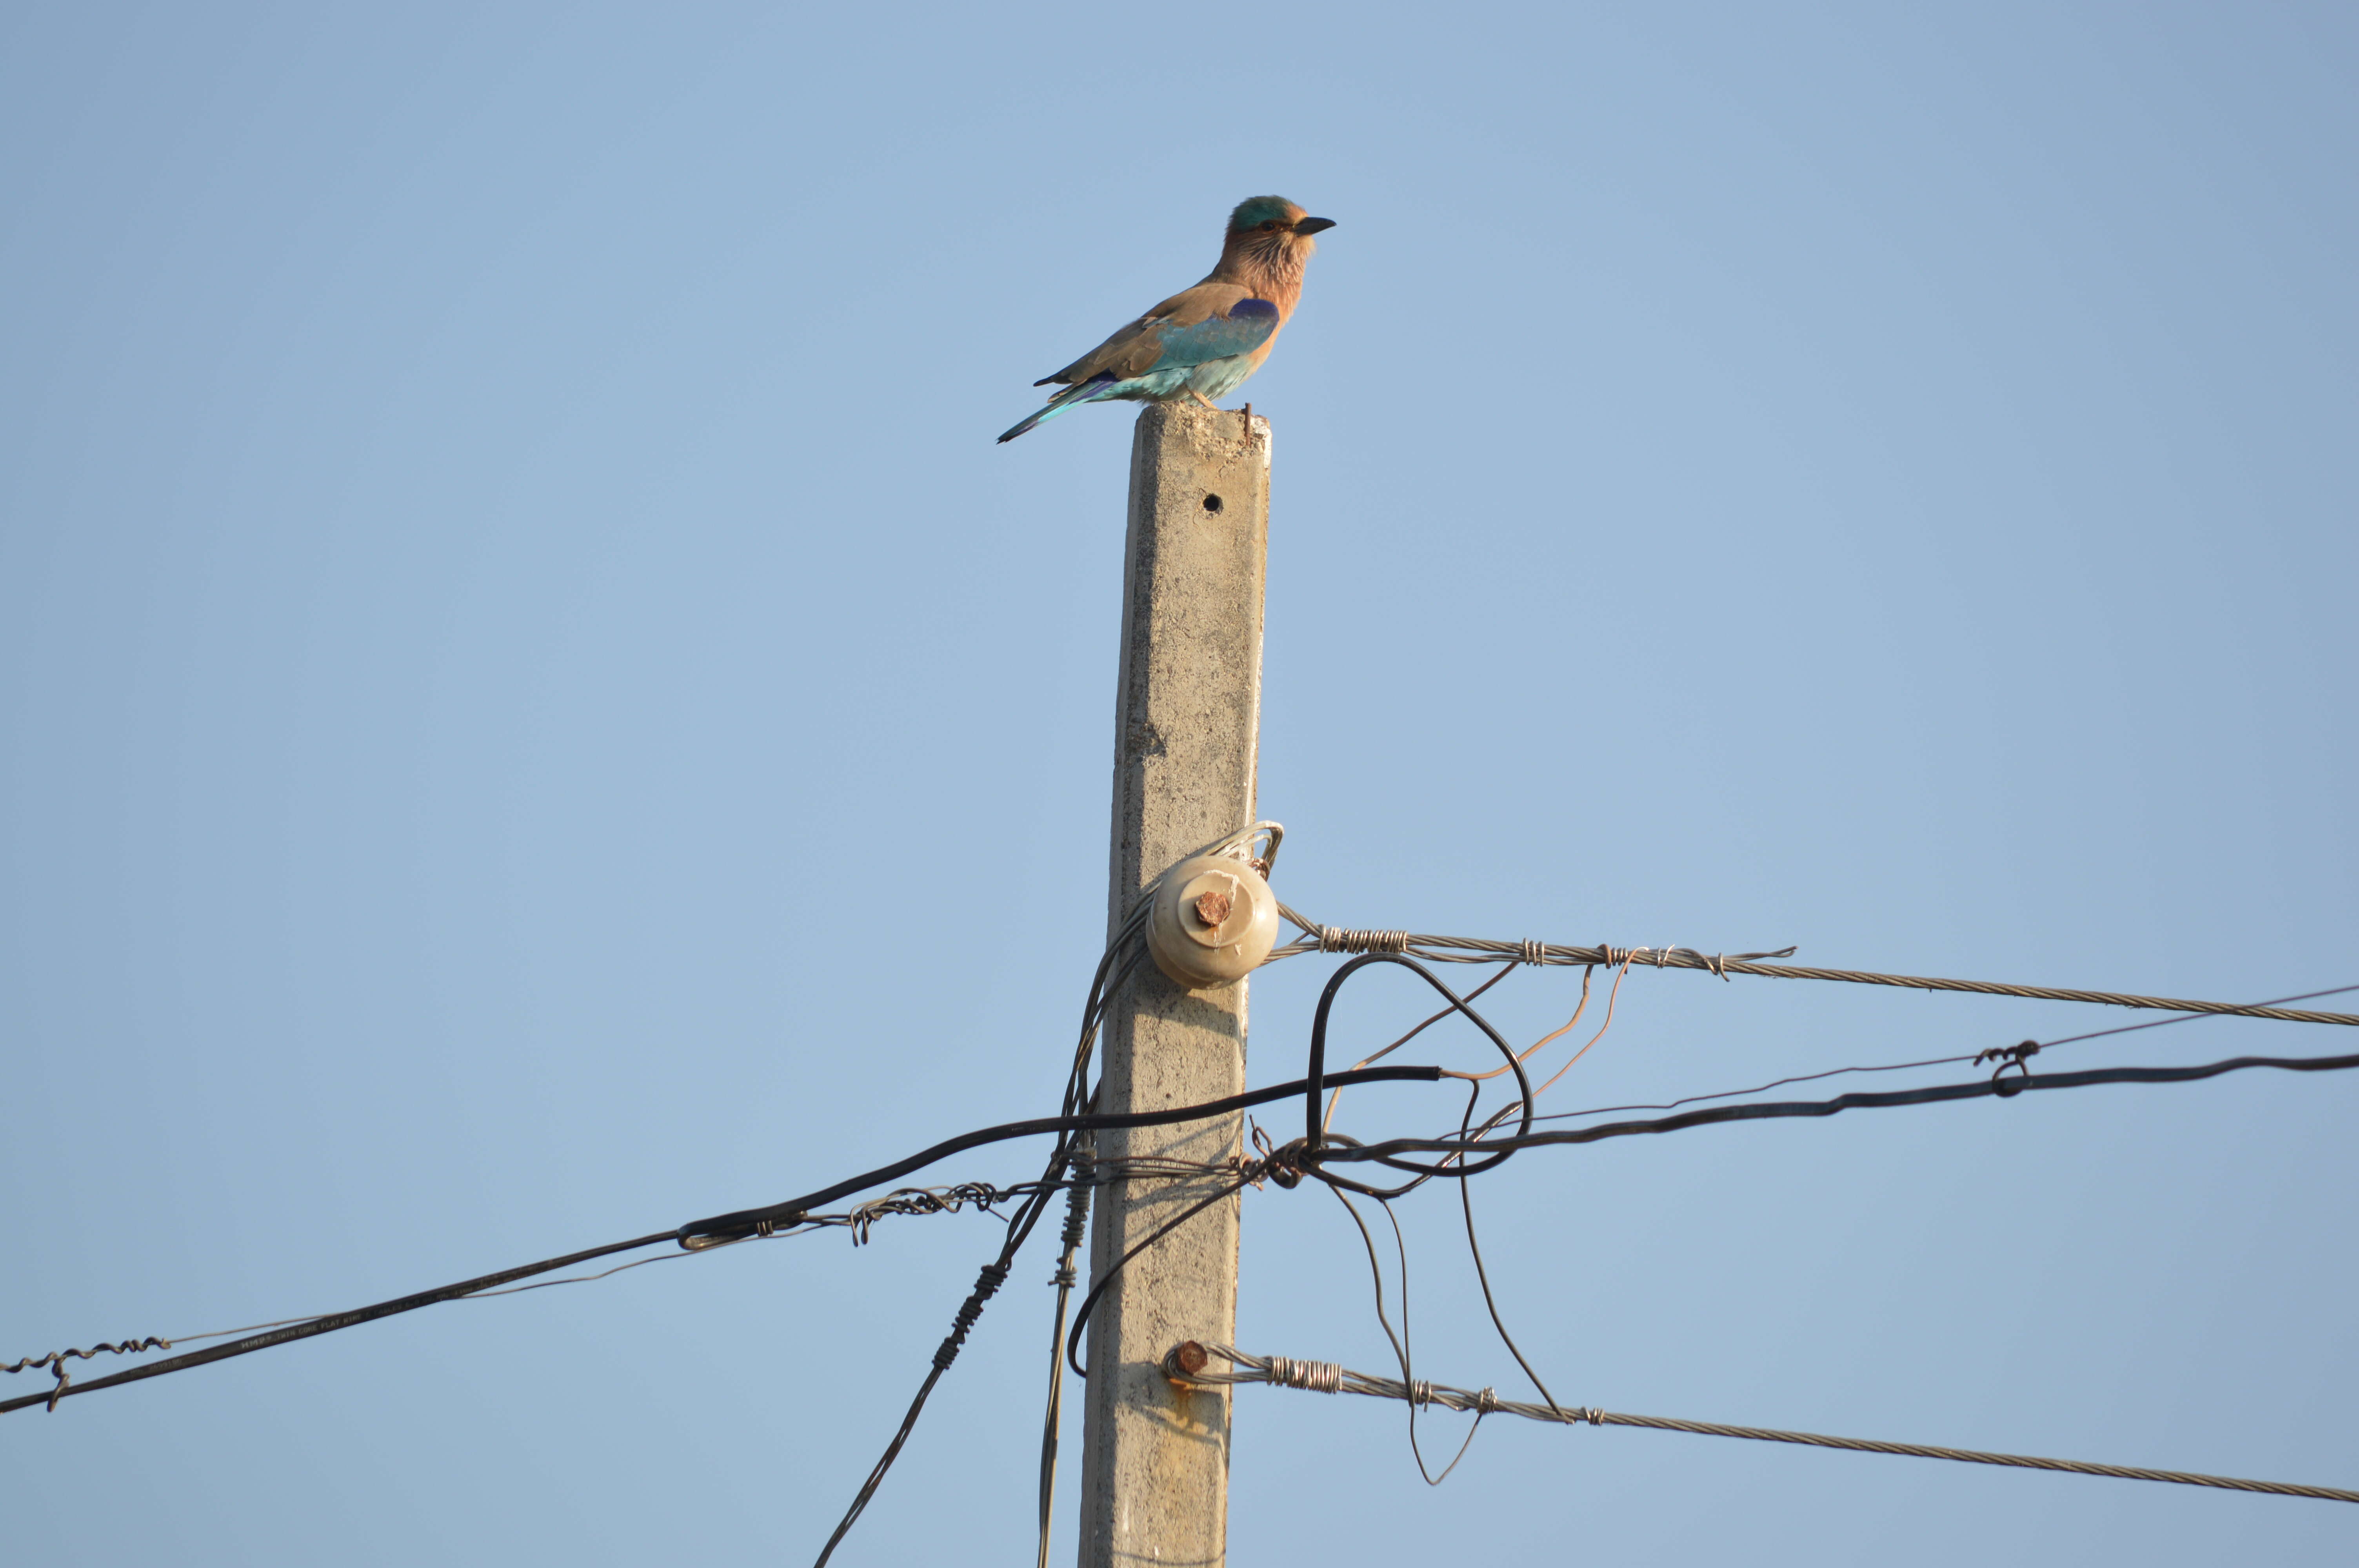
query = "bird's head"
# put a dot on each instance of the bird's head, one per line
(1272, 231)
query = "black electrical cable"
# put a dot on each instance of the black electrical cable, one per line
(1482, 1275)
(1315, 1136)
(1076, 1214)
(1374, 1056)
(1331, 1150)
(986, 1285)
(1081, 1314)
(1076, 1099)
(746, 1221)
(1772, 1083)
(1019, 1228)
(1401, 1341)
(1304, 1155)
(1077, 1096)
(333, 1322)
(707, 1231)
(2028, 1048)
(2002, 1086)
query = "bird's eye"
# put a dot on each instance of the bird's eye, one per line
(1272, 223)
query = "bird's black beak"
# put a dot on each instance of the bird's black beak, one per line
(1313, 226)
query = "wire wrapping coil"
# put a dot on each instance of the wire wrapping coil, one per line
(1319, 1377)
(986, 1285)
(1336, 939)
(58, 1357)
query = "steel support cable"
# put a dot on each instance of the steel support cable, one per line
(1483, 950)
(776, 1218)
(1325, 1377)
(2001, 1086)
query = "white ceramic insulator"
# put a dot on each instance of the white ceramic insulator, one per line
(1200, 953)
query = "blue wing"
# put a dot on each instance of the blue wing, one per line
(1119, 367)
(1248, 325)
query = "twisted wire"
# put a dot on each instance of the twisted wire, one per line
(58, 1357)
(1280, 1372)
(1077, 1216)
(1481, 950)
(308, 1327)
(908, 1201)
(863, 1217)
(795, 1211)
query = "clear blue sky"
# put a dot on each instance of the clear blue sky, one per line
(522, 672)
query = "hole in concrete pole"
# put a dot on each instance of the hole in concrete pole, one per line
(1212, 503)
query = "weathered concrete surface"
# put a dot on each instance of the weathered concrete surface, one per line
(1155, 1467)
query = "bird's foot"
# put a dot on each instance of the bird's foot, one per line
(1204, 400)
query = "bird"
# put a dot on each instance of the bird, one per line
(1203, 342)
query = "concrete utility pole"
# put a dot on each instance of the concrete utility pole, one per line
(1155, 1469)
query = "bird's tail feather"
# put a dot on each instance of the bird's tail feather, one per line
(1086, 392)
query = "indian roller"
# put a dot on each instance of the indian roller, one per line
(1204, 342)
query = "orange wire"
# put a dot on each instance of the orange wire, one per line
(1525, 1055)
(1610, 996)
(1512, 1106)
(1594, 1039)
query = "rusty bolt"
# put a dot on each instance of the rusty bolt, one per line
(1213, 908)
(1187, 1360)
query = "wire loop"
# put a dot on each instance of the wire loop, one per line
(2009, 1056)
